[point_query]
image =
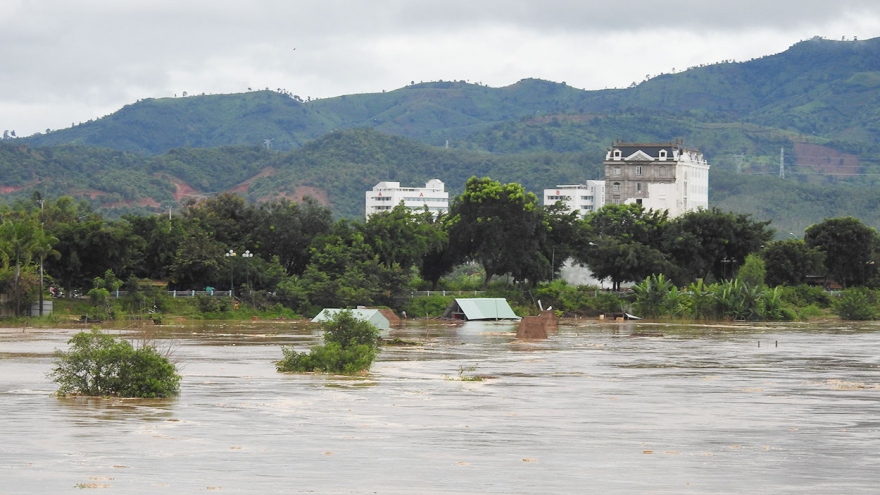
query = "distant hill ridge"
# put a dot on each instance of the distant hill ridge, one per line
(817, 87)
(818, 100)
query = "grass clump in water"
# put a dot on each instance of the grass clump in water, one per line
(465, 377)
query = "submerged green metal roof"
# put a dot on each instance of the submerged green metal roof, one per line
(373, 316)
(490, 308)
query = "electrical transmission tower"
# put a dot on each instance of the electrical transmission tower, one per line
(782, 163)
(739, 162)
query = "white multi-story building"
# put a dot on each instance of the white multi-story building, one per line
(660, 176)
(582, 198)
(387, 195)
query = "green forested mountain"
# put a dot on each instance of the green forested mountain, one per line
(818, 88)
(338, 168)
(818, 101)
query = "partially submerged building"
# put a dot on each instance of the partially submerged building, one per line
(374, 316)
(480, 309)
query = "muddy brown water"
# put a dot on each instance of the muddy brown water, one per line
(596, 408)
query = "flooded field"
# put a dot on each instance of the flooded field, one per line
(606, 409)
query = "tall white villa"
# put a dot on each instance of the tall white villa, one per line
(387, 195)
(659, 176)
(582, 198)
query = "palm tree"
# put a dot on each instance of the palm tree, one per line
(43, 248)
(20, 239)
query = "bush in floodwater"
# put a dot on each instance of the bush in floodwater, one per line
(350, 347)
(856, 304)
(98, 364)
(805, 295)
(807, 312)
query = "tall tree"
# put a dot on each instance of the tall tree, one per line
(498, 225)
(162, 237)
(789, 262)
(622, 261)
(623, 243)
(227, 216)
(401, 236)
(565, 236)
(345, 271)
(286, 229)
(199, 259)
(712, 242)
(629, 223)
(90, 247)
(849, 246)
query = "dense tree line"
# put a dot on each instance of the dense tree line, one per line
(305, 260)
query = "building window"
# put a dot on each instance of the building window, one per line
(662, 154)
(639, 170)
(616, 170)
(662, 171)
(617, 154)
(616, 187)
(638, 187)
(638, 201)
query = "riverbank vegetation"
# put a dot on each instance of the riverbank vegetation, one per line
(232, 259)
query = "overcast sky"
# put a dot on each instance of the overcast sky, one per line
(68, 61)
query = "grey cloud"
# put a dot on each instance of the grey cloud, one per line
(111, 52)
(627, 15)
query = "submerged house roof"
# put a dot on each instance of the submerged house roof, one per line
(373, 316)
(480, 309)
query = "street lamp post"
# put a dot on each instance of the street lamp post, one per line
(231, 256)
(247, 255)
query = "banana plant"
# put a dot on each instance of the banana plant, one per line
(700, 300)
(652, 296)
(771, 304)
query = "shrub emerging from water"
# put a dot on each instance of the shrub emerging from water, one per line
(856, 304)
(98, 364)
(350, 347)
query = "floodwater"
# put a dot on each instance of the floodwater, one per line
(597, 408)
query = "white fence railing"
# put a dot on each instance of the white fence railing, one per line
(225, 293)
(424, 293)
(179, 293)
